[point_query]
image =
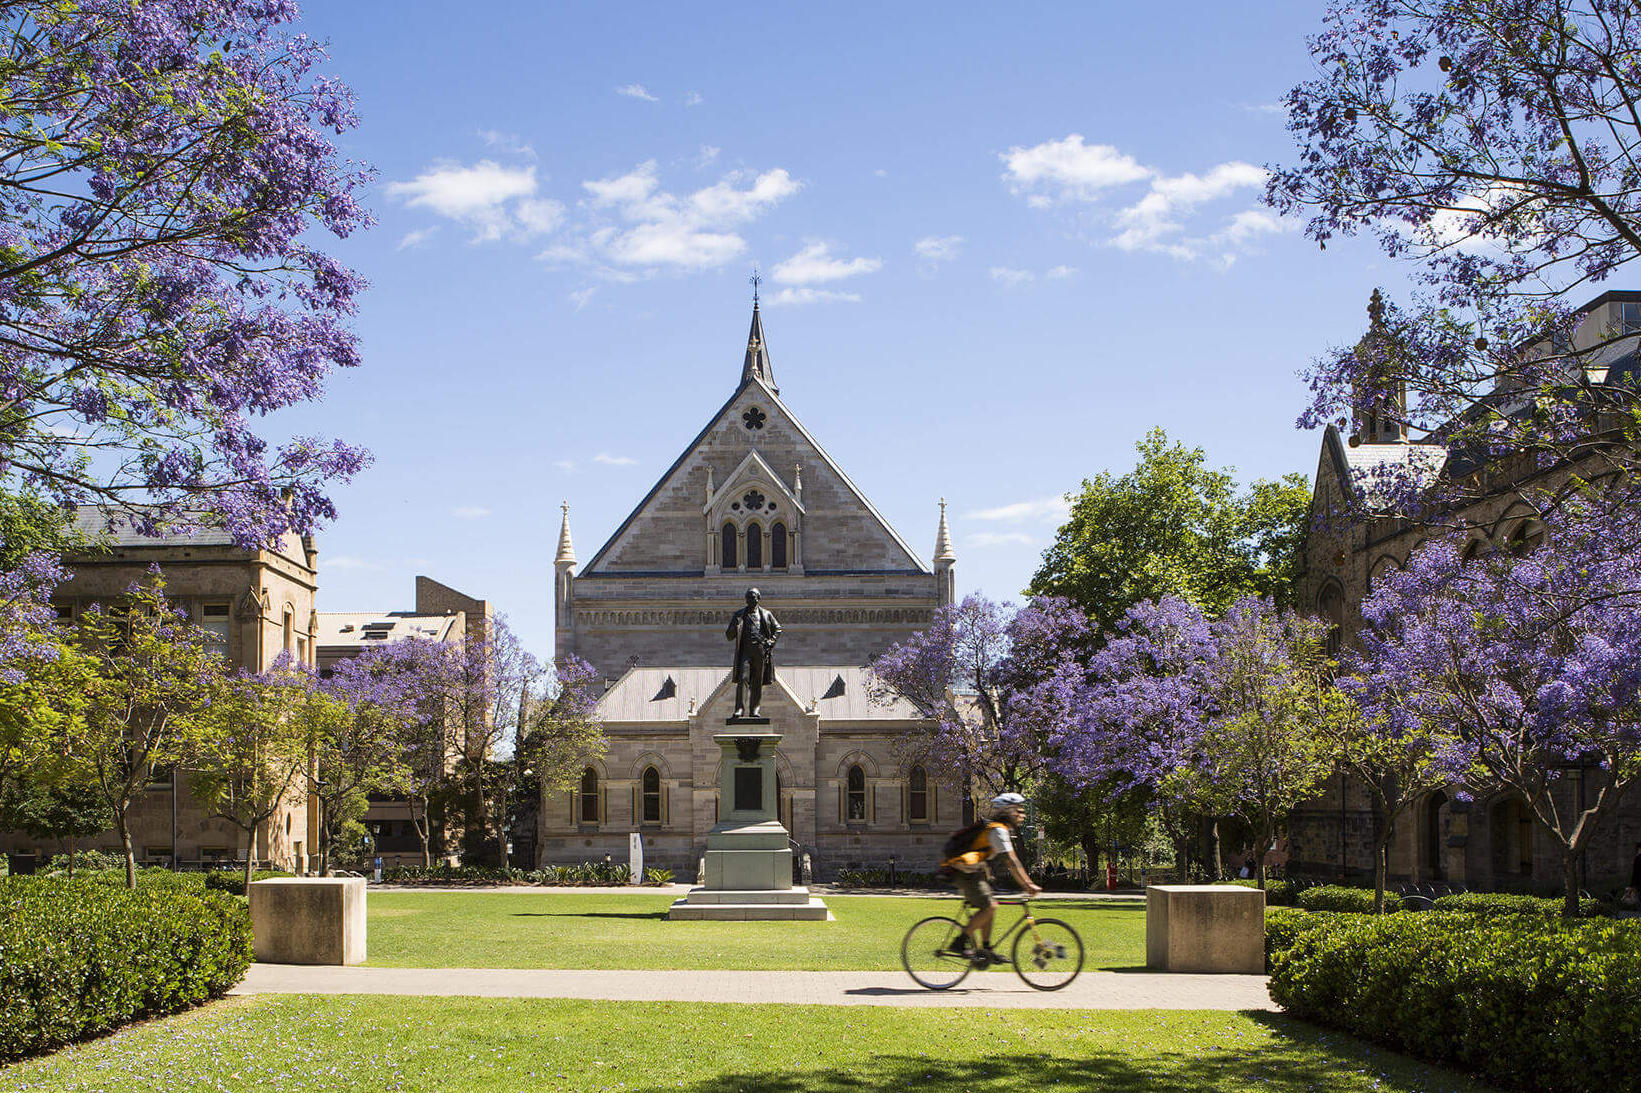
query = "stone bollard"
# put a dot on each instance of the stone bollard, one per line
(1205, 928)
(308, 920)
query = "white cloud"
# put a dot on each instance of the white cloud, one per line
(1263, 107)
(636, 91)
(997, 538)
(539, 215)
(581, 296)
(935, 249)
(708, 153)
(417, 238)
(470, 512)
(1005, 275)
(1058, 272)
(489, 198)
(815, 264)
(693, 99)
(1068, 170)
(1052, 508)
(1155, 222)
(614, 460)
(808, 295)
(1160, 221)
(507, 143)
(348, 561)
(654, 229)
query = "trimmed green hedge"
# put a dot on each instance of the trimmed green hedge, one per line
(1278, 893)
(1334, 897)
(1529, 1003)
(1504, 903)
(1284, 924)
(234, 882)
(79, 958)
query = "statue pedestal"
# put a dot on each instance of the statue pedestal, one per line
(749, 855)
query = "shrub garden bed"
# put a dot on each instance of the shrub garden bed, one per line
(79, 958)
(585, 875)
(1529, 1002)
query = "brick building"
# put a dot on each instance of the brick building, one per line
(754, 500)
(259, 603)
(1490, 842)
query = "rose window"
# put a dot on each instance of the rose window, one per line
(754, 418)
(753, 500)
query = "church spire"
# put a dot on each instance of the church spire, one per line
(566, 549)
(757, 352)
(943, 551)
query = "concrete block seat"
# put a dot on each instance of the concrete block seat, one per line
(1216, 928)
(308, 920)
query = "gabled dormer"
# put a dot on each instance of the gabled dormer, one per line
(754, 521)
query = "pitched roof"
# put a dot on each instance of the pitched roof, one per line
(98, 524)
(673, 694)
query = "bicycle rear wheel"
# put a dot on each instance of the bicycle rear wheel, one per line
(1048, 954)
(927, 952)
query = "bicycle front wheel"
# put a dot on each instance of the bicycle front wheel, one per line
(1048, 954)
(931, 953)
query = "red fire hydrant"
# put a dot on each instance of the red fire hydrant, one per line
(1110, 876)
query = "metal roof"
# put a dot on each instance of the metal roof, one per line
(358, 629)
(101, 525)
(674, 694)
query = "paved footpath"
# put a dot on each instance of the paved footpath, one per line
(988, 990)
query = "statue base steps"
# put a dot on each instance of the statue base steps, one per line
(728, 905)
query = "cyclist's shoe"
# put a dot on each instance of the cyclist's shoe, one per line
(984, 957)
(960, 947)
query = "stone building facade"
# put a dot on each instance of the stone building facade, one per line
(259, 603)
(1459, 835)
(754, 500)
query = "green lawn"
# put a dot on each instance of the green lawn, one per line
(294, 1043)
(556, 929)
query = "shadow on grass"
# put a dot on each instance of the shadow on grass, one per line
(590, 914)
(1302, 1059)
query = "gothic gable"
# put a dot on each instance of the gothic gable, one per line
(754, 441)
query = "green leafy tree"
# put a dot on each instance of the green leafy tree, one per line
(255, 747)
(69, 811)
(1174, 526)
(39, 711)
(150, 682)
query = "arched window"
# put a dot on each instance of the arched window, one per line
(1527, 538)
(777, 546)
(754, 546)
(1435, 867)
(1471, 550)
(1330, 604)
(968, 809)
(588, 812)
(726, 549)
(917, 795)
(652, 795)
(855, 799)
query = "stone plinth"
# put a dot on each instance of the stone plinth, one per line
(1205, 928)
(749, 855)
(308, 920)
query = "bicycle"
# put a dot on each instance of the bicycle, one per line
(1046, 952)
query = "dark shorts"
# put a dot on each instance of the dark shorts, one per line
(976, 888)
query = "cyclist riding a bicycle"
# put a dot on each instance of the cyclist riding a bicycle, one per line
(971, 872)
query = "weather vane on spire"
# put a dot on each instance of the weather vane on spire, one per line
(755, 280)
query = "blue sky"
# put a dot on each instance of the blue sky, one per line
(998, 247)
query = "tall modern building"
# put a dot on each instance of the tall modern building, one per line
(753, 501)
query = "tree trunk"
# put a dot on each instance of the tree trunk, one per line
(1569, 877)
(422, 832)
(130, 854)
(250, 857)
(1091, 854)
(1381, 870)
(1212, 867)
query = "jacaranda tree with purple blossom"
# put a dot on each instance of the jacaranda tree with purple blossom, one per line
(1211, 716)
(388, 736)
(1527, 667)
(1492, 143)
(151, 678)
(164, 166)
(987, 678)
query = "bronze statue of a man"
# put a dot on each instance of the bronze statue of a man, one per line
(754, 632)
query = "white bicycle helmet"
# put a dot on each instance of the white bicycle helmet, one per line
(1006, 801)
